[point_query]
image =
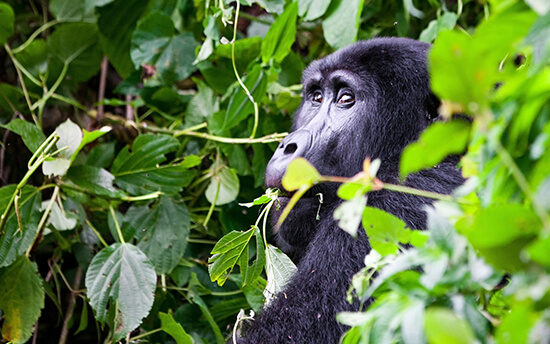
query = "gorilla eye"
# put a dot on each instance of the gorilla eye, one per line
(346, 99)
(317, 97)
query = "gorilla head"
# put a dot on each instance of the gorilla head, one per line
(368, 100)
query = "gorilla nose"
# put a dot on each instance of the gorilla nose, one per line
(295, 145)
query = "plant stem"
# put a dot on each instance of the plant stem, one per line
(115, 220)
(418, 192)
(18, 70)
(45, 216)
(268, 138)
(248, 94)
(70, 307)
(143, 335)
(34, 162)
(96, 232)
(34, 35)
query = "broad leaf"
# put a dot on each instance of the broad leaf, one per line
(139, 172)
(163, 233)
(154, 42)
(279, 269)
(224, 187)
(341, 22)
(6, 22)
(15, 241)
(437, 142)
(121, 276)
(443, 326)
(240, 106)
(77, 45)
(500, 232)
(174, 329)
(310, 10)
(298, 173)
(281, 35)
(385, 231)
(446, 22)
(22, 299)
(94, 180)
(116, 31)
(30, 134)
(227, 252)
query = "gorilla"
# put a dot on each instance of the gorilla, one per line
(370, 99)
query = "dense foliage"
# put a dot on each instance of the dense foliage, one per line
(132, 129)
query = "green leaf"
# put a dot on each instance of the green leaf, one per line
(94, 180)
(349, 214)
(240, 106)
(227, 252)
(22, 299)
(341, 22)
(224, 187)
(250, 273)
(310, 10)
(31, 135)
(122, 274)
(6, 22)
(281, 35)
(501, 231)
(75, 11)
(464, 70)
(279, 269)
(77, 45)
(116, 31)
(434, 145)
(203, 105)
(384, 230)
(194, 286)
(443, 326)
(154, 43)
(15, 241)
(300, 172)
(35, 58)
(446, 22)
(174, 329)
(139, 171)
(517, 325)
(349, 191)
(164, 233)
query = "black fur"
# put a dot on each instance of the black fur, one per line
(388, 79)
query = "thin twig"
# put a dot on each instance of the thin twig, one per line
(101, 91)
(70, 307)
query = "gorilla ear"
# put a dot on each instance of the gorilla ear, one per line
(432, 107)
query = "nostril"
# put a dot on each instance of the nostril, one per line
(291, 148)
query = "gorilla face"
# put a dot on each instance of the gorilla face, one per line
(368, 100)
